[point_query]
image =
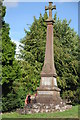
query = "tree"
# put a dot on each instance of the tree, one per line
(32, 54)
(66, 61)
(10, 67)
(66, 55)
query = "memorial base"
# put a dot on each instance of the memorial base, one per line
(47, 100)
(48, 96)
(48, 92)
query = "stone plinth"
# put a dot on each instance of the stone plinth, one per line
(48, 95)
(48, 83)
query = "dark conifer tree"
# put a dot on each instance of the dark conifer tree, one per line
(10, 67)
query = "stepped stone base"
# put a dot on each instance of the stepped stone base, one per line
(47, 100)
(43, 108)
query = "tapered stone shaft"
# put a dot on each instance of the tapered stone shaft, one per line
(49, 68)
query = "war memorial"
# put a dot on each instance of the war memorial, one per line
(48, 94)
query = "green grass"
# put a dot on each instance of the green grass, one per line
(72, 113)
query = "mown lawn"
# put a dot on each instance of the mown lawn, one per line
(72, 113)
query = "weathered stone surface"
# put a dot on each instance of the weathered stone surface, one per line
(35, 106)
(57, 107)
(41, 108)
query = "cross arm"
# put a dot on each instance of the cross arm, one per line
(53, 7)
(46, 8)
(50, 7)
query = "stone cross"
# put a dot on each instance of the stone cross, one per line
(50, 8)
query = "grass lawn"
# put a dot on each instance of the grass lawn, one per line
(72, 113)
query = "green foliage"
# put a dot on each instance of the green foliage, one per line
(66, 56)
(33, 54)
(66, 59)
(10, 68)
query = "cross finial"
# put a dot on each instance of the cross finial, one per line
(50, 8)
